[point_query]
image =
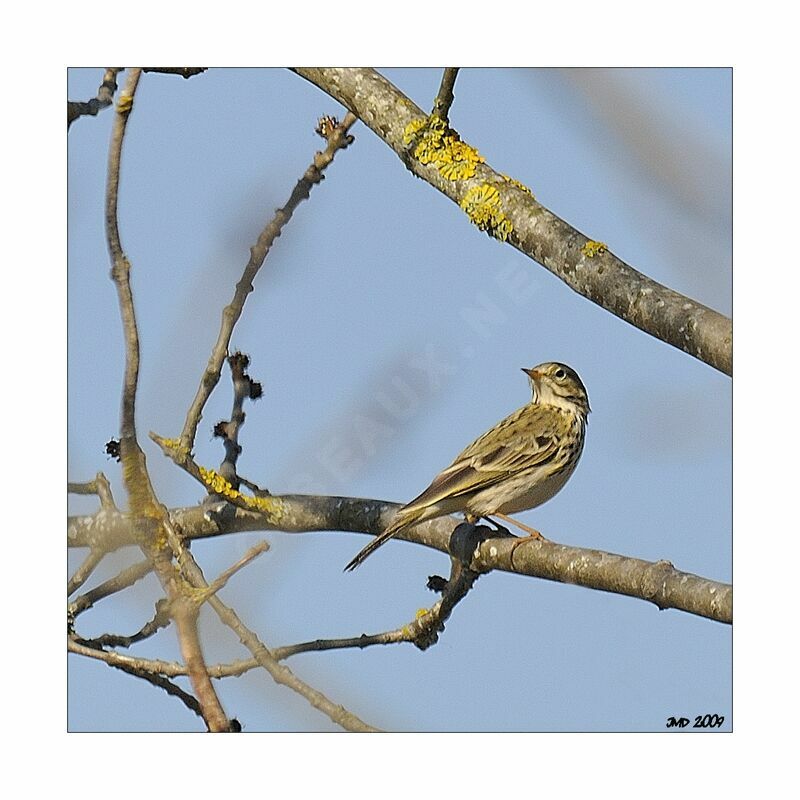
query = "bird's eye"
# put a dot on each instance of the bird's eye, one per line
(560, 374)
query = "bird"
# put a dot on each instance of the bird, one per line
(518, 464)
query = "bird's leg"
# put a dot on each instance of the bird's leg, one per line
(532, 532)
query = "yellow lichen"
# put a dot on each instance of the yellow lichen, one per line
(172, 444)
(439, 145)
(222, 487)
(518, 184)
(592, 248)
(125, 103)
(413, 127)
(421, 612)
(482, 206)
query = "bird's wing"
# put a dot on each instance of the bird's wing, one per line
(526, 439)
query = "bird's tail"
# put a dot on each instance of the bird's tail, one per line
(401, 520)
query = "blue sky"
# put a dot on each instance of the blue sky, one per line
(377, 277)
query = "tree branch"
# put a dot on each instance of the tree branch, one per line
(138, 668)
(105, 97)
(184, 72)
(143, 501)
(509, 211)
(444, 99)
(658, 583)
(258, 253)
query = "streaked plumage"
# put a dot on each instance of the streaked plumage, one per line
(519, 464)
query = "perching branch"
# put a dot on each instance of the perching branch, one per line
(509, 211)
(658, 583)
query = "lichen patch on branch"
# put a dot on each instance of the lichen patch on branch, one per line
(437, 144)
(482, 205)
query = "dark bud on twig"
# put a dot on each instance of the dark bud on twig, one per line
(436, 583)
(238, 361)
(255, 390)
(221, 429)
(112, 449)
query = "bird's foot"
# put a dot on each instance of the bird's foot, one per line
(532, 532)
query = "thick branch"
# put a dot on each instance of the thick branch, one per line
(658, 582)
(590, 270)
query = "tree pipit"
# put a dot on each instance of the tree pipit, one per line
(519, 464)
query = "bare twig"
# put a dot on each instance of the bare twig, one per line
(161, 619)
(118, 583)
(244, 388)
(283, 675)
(84, 571)
(133, 666)
(224, 577)
(105, 97)
(338, 140)
(584, 265)
(99, 486)
(425, 629)
(261, 653)
(444, 99)
(593, 569)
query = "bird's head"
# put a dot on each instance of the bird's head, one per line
(558, 385)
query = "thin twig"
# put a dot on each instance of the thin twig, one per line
(258, 253)
(279, 673)
(444, 99)
(161, 619)
(283, 675)
(254, 552)
(118, 583)
(244, 388)
(105, 97)
(134, 667)
(99, 486)
(104, 492)
(84, 571)
(424, 630)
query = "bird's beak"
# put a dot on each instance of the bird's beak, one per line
(533, 374)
